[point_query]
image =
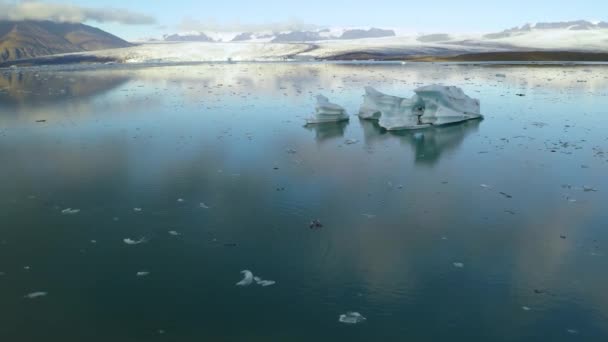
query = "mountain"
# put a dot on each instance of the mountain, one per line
(371, 33)
(577, 25)
(188, 37)
(28, 39)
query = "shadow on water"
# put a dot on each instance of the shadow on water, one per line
(429, 144)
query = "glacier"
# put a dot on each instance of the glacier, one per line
(326, 111)
(431, 105)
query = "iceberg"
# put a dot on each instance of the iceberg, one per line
(445, 105)
(247, 278)
(351, 318)
(431, 105)
(326, 111)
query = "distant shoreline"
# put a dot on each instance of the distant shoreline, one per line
(506, 56)
(521, 57)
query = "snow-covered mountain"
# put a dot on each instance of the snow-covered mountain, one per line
(284, 36)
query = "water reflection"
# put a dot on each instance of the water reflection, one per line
(428, 144)
(328, 131)
(392, 229)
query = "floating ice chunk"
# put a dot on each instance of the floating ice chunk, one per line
(445, 105)
(392, 112)
(174, 233)
(34, 295)
(180, 200)
(134, 242)
(137, 210)
(432, 105)
(247, 278)
(142, 273)
(352, 318)
(204, 206)
(526, 308)
(263, 282)
(458, 265)
(326, 111)
(70, 211)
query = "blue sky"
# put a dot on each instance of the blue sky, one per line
(419, 16)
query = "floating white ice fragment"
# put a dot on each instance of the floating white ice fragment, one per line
(445, 105)
(247, 278)
(352, 318)
(142, 273)
(263, 282)
(326, 111)
(129, 241)
(70, 211)
(137, 209)
(458, 265)
(432, 105)
(204, 206)
(174, 233)
(34, 295)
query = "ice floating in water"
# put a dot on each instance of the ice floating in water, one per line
(142, 273)
(248, 279)
(204, 206)
(263, 282)
(432, 105)
(326, 111)
(70, 211)
(134, 242)
(174, 233)
(34, 295)
(458, 265)
(352, 318)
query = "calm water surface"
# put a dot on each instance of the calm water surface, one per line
(211, 165)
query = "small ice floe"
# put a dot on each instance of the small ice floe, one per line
(485, 186)
(458, 265)
(180, 200)
(526, 308)
(137, 210)
(326, 111)
(35, 295)
(263, 282)
(70, 211)
(572, 331)
(129, 241)
(204, 206)
(247, 278)
(142, 273)
(174, 233)
(352, 318)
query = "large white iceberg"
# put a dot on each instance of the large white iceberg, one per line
(326, 111)
(432, 105)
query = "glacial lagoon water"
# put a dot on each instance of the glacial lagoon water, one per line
(177, 178)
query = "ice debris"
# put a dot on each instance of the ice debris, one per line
(458, 265)
(352, 318)
(129, 241)
(34, 295)
(248, 279)
(70, 211)
(432, 105)
(142, 273)
(326, 111)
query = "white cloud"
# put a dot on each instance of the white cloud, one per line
(37, 10)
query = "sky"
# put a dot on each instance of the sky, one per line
(135, 19)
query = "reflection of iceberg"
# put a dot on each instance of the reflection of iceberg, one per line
(329, 130)
(428, 145)
(326, 111)
(432, 105)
